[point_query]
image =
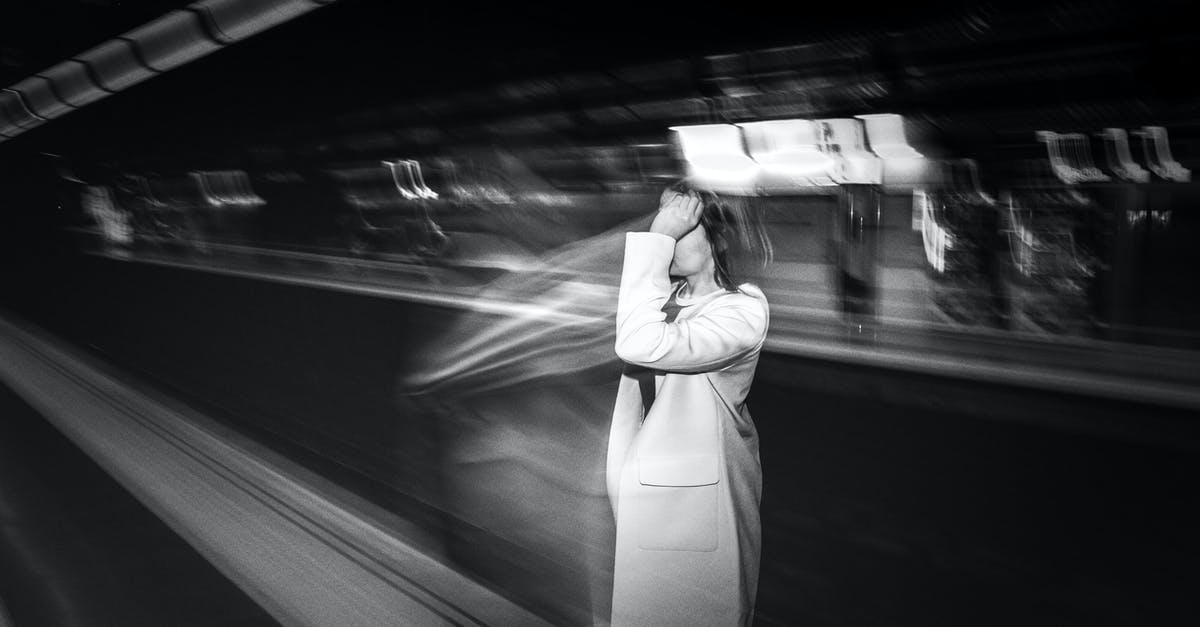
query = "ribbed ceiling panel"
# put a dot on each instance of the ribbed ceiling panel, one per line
(163, 44)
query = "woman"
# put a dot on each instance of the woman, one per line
(683, 470)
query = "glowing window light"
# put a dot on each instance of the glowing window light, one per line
(906, 171)
(1067, 172)
(715, 154)
(1157, 149)
(1120, 159)
(885, 133)
(423, 190)
(403, 179)
(787, 147)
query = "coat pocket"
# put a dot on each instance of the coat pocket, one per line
(677, 504)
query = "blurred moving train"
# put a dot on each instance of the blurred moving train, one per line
(493, 444)
(1056, 249)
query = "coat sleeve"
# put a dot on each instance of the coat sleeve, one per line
(727, 331)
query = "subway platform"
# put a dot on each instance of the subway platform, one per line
(123, 509)
(893, 495)
(78, 549)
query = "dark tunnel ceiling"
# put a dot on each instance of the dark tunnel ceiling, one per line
(363, 53)
(35, 34)
(456, 35)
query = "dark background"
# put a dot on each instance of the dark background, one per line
(891, 498)
(357, 55)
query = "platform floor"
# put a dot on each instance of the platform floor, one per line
(890, 497)
(77, 549)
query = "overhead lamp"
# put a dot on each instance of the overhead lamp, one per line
(717, 158)
(845, 142)
(787, 147)
(885, 133)
(903, 165)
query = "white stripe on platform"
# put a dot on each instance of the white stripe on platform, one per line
(307, 551)
(443, 297)
(1148, 374)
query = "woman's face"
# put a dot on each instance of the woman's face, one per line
(693, 254)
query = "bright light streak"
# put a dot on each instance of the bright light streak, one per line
(400, 170)
(844, 138)
(904, 172)
(787, 147)
(420, 187)
(934, 238)
(716, 156)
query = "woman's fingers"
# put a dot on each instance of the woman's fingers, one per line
(689, 207)
(678, 213)
(686, 202)
(695, 206)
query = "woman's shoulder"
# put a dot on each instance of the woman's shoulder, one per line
(750, 295)
(752, 290)
(746, 296)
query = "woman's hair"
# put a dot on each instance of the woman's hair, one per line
(738, 240)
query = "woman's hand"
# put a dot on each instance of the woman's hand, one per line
(678, 213)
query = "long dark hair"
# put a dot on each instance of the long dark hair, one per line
(737, 239)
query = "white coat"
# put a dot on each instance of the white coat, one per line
(685, 481)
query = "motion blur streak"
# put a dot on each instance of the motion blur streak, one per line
(385, 238)
(527, 399)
